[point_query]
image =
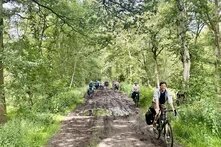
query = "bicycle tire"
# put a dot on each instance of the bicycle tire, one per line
(168, 134)
(136, 102)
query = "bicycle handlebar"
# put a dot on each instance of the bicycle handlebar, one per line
(175, 112)
(168, 110)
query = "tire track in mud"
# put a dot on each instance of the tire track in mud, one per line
(120, 126)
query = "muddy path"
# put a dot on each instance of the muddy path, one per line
(108, 119)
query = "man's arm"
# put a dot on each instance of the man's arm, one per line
(138, 88)
(132, 89)
(156, 101)
(170, 101)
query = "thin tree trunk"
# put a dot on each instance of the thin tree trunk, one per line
(186, 66)
(2, 94)
(72, 78)
(217, 63)
(130, 68)
(184, 51)
(145, 67)
(217, 48)
(157, 73)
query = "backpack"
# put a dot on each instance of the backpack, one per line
(149, 116)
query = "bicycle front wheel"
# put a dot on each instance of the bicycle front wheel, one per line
(168, 134)
(136, 102)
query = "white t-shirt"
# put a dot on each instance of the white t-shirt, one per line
(156, 95)
(136, 88)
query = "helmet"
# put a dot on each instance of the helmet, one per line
(135, 82)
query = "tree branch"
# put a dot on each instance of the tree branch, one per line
(160, 51)
(22, 16)
(61, 17)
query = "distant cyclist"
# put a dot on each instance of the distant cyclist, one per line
(116, 85)
(90, 90)
(97, 84)
(135, 91)
(106, 84)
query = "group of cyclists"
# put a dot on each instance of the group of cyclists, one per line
(161, 95)
(102, 85)
(95, 85)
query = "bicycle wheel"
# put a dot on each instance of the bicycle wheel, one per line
(156, 132)
(168, 134)
(136, 102)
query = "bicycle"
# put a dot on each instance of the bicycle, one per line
(164, 128)
(90, 92)
(136, 99)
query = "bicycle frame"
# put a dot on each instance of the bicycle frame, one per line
(164, 125)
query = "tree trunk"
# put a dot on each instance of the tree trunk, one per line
(157, 72)
(130, 67)
(72, 78)
(217, 48)
(2, 94)
(184, 51)
(154, 50)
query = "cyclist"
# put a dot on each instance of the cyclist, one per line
(90, 90)
(160, 97)
(106, 84)
(135, 91)
(97, 84)
(116, 85)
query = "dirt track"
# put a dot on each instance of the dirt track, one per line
(109, 119)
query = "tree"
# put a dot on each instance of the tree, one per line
(182, 23)
(2, 94)
(209, 13)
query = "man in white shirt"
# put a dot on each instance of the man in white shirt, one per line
(135, 90)
(160, 97)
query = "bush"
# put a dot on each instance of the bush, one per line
(31, 130)
(33, 127)
(198, 124)
(126, 87)
(146, 96)
(60, 101)
(66, 99)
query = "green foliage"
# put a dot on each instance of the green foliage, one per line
(60, 101)
(198, 124)
(28, 131)
(125, 87)
(146, 96)
(33, 127)
(61, 45)
(12, 134)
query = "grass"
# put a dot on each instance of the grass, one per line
(191, 135)
(34, 128)
(24, 131)
(198, 125)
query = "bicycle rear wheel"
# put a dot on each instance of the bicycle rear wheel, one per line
(168, 134)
